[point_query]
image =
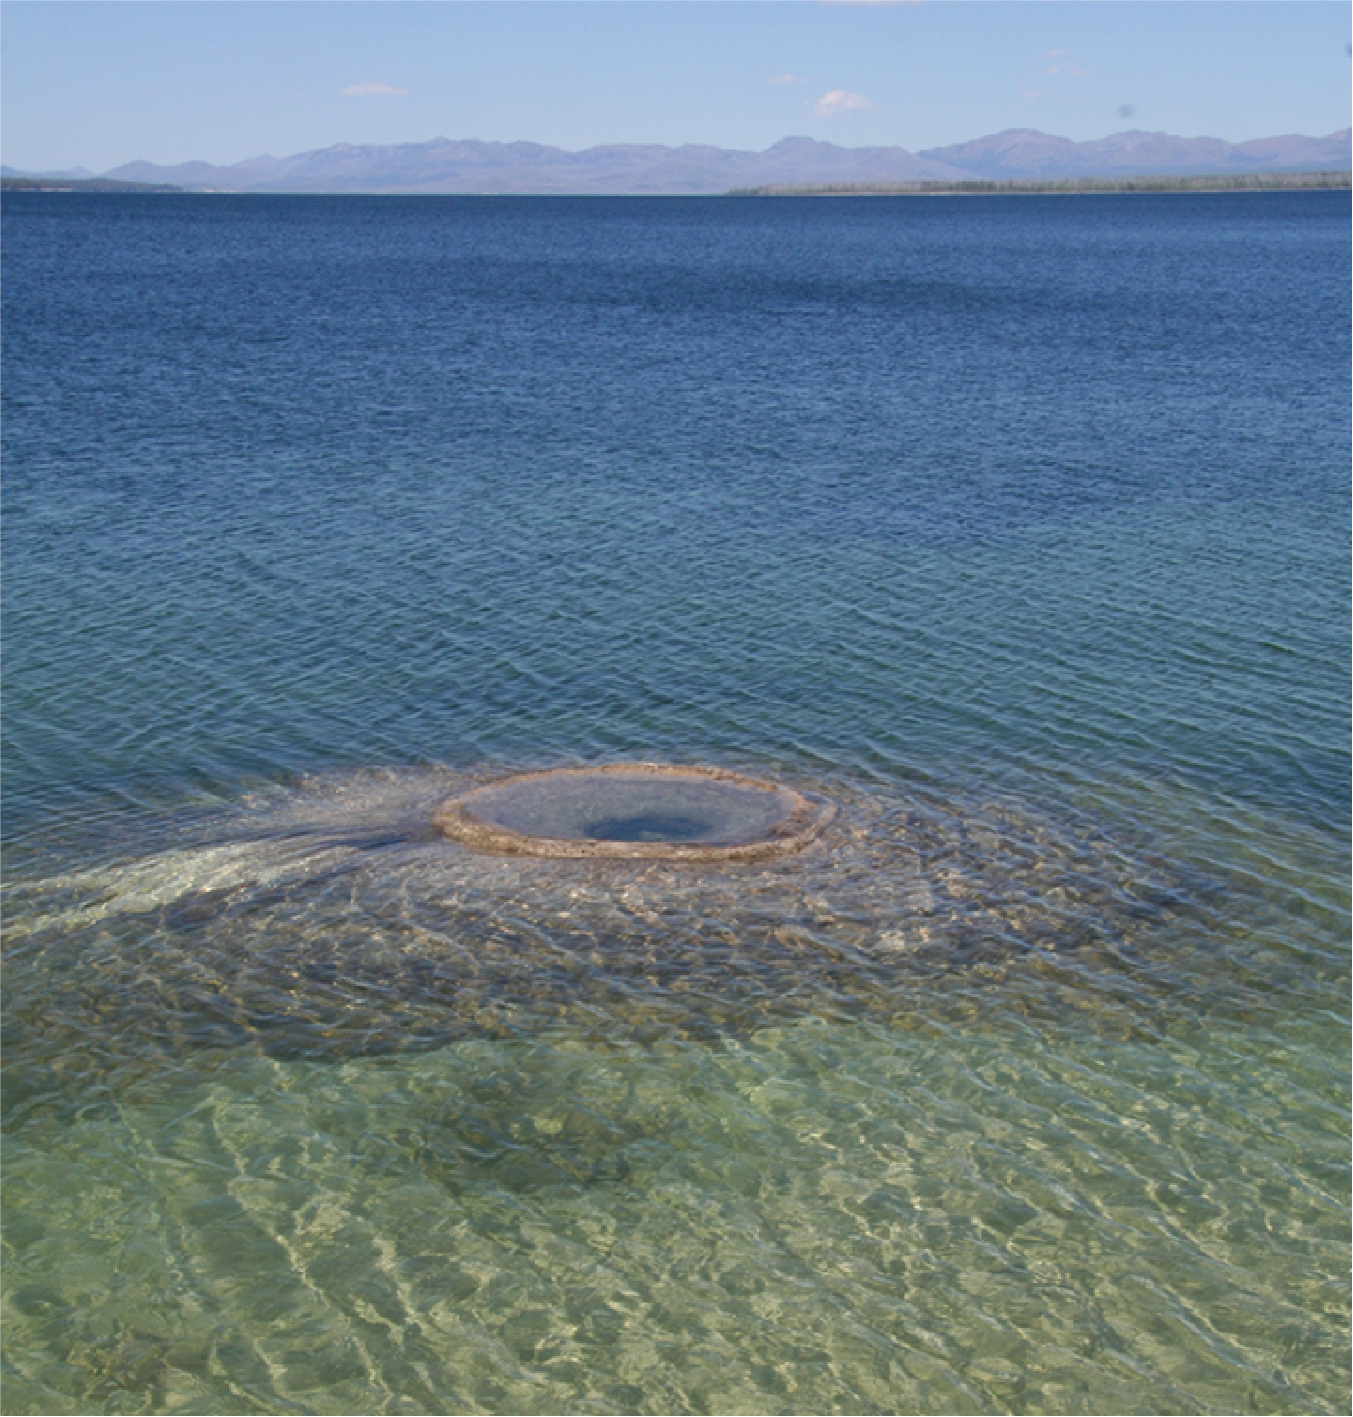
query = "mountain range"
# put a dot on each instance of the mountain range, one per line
(472, 166)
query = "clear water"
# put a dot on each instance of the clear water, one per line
(1018, 526)
(623, 804)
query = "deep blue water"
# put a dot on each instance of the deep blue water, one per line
(1018, 526)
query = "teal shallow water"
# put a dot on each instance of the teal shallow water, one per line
(1017, 528)
(816, 1218)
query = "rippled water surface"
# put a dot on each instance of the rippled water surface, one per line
(1016, 527)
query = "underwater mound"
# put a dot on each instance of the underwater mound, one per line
(334, 917)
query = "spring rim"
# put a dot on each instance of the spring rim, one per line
(807, 816)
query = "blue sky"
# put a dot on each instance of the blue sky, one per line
(102, 83)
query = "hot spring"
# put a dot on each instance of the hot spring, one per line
(637, 810)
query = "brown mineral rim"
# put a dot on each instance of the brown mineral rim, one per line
(636, 810)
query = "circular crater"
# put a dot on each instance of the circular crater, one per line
(631, 810)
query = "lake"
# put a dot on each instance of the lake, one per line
(1015, 527)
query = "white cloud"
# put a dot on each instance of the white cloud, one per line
(367, 90)
(839, 101)
(1064, 62)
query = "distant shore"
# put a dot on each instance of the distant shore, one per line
(1236, 182)
(81, 184)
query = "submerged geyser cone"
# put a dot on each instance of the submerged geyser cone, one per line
(325, 919)
(641, 810)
